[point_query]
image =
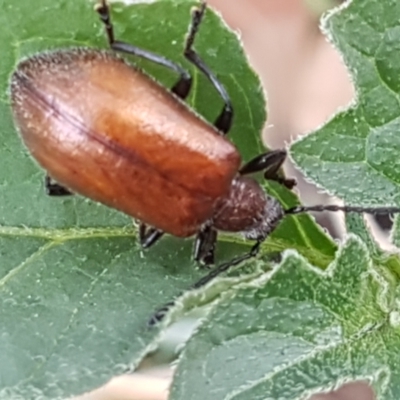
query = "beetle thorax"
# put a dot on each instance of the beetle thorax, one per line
(248, 209)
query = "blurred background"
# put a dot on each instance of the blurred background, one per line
(303, 75)
(306, 82)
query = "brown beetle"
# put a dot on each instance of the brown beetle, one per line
(104, 129)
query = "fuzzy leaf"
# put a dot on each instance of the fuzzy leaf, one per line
(297, 331)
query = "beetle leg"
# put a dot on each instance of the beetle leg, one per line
(54, 189)
(204, 245)
(148, 236)
(159, 315)
(224, 121)
(184, 84)
(226, 266)
(269, 162)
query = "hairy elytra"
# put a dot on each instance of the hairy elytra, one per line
(105, 130)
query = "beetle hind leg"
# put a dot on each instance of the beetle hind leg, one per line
(148, 236)
(224, 121)
(269, 162)
(184, 84)
(55, 189)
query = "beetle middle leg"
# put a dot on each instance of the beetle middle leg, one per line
(184, 84)
(148, 236)
(55, 189)
(269, 162)
(204, 245)
(224, 121)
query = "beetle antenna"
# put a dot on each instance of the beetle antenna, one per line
(346, 209)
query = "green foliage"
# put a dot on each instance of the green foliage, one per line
(291, 333)
(76, 290)
(355, 155)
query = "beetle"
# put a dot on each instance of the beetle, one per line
(104, 129)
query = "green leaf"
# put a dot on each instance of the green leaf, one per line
(391, 261)
(355, 155)
(74, 308)
(296, 331)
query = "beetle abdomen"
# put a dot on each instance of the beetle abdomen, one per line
(107, 131)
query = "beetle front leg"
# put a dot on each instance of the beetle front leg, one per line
(55, 189)
(269, 162)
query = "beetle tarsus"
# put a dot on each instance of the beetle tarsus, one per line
(159, 315)
(103, 10)
(289, 183)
